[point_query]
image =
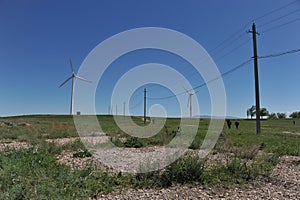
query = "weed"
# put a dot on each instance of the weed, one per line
(134, 142)
(117, 142)
(82, 154)
(184, 170)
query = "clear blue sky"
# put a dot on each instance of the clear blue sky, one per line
(37, 38)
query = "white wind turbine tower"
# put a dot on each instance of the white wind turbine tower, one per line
(73, 76)
(190, 101)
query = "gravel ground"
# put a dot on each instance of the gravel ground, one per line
(284, 183)
(13, 145)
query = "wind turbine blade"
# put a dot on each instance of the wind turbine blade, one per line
(186, 90)
(189, 99)
(71, 65)
(83, 79)
(65, 81)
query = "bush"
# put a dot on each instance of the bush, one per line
(82, 154)
(187, 169)
(238, 171)
(184, 170)
(117, 142)
(197, 142)
(134, 142)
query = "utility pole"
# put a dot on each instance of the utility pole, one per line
(145, 97)
(109, 110)
(116, 109)
(124, 104)
(257, 102)
(190, 101)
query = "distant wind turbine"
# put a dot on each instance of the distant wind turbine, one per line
(189, 101)
(73, 76)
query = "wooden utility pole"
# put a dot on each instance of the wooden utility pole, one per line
(145, 98)
(124, 104)
(257, 101)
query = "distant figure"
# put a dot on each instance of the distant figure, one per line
(237, 123)
(294, 122)
(228, 123)
(178, 131)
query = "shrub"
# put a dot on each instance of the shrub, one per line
(184, 170)
(82, 154)
(187, 169)
(134, 142)
(116, 141)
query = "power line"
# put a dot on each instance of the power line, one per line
(204, 84)
(279, 54)
(230, 38)
(237, 35)
(280, 25)
(275, 10)
(233, 50)
(224, 74)
(225, 47)
(222, 56)
(279, 18)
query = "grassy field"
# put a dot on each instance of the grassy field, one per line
(36, 174)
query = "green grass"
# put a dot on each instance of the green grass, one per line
(30, 174)
(276, 135)
(273, 139)
(36, 174)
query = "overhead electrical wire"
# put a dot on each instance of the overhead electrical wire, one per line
(275, 10)
(280, 25)
(233, 50)
(279, 18)
(226, 73)
(223, 74)
(235, 37)
(204, 84)
(279, 54)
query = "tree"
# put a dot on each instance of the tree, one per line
(281, 115)
(263, 112)
(251, 111)
(272, 116)
(295, 115)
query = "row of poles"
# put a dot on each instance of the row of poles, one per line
(110, 110)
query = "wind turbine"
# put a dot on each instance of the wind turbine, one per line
(73, 76)
(189, 101)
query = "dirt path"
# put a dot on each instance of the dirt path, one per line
(293, 133)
